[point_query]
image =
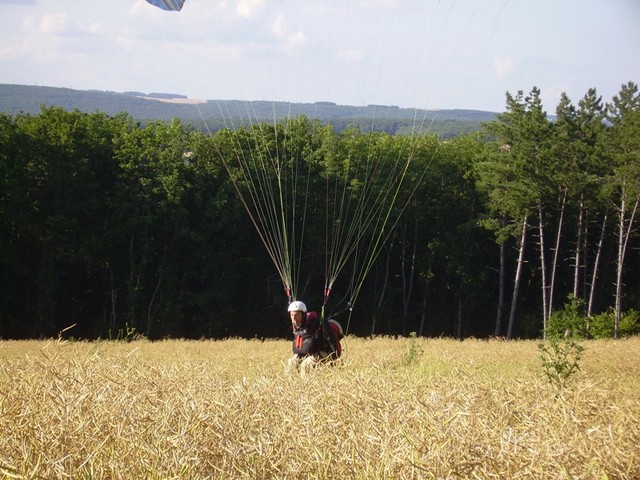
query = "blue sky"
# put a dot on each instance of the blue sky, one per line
(411, 53)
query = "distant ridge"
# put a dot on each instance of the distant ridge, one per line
(214, 114)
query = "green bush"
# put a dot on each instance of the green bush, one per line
(414, 352)
(560, 358)
(603, 324)
(573, 322)
(629, 324)
(568, 321)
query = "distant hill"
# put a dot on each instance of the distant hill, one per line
(215, 114)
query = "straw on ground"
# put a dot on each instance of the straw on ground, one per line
(226, 409)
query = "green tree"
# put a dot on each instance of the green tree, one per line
(577, 178)
(509, 173)
(587, 176)
(151, 187)
(624, 114)
(66, 173)
(13, 215)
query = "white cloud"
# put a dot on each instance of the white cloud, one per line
(59, 25)
(13, 51)
(279, 28)
(247, 8)
(551, 96)
(378, 3)
(295, 40)
(56, 23)
(290, 40)
(504, 66)
(352, 55)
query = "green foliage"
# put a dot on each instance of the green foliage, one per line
(414, 352)
(560, 359)
(110, 224)
(570, 320)
(603, 324)
(126, 334)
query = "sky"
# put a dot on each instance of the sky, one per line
(432, 54)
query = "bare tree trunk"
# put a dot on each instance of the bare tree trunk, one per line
(578, 258)
(407, 284)
(374, 320)
(543, 266)
(556, 250)
(427, 282)
(380, 301)
(135, 278)
(114, 297)
(501, 276)
(596, 265)
(423, 315)
(621, 230)
(459, 318)
(149, 308)
(516, 282)
(623, 237)
(585, 257)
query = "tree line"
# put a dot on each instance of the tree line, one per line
(110, 228)
(213, 115)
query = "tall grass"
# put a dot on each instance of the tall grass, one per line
(226, 409)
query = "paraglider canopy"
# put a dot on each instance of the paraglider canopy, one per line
(170, 5)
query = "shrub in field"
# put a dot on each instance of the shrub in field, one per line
(414, 352)
(127, 334)
(603, 325)
(570, 319)
(560, 359)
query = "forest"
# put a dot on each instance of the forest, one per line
(111, 228)
(213, 115)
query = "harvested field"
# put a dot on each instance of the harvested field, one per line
(401, 409)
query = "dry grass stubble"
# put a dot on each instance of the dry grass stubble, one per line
(178, 409)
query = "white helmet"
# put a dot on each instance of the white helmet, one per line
(297, 306)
